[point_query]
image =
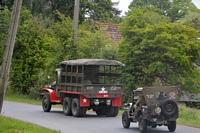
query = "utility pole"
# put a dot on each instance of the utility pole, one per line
(75, 28)
(76, 19)
(8, 52)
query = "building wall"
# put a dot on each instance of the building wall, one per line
(112, 30)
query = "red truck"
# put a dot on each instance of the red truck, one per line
(86, 84)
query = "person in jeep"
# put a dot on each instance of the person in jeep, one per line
(152, 107)
(140, 100)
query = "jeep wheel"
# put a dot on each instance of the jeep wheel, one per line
(67, 106)
(46, 103)
(142, 124)
(169, 107)
(76, 109)
(172, 126)
(125, 120)
(109, 111)
(116, 111)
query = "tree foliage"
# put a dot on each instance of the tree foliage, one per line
(173, 9)
(158, 53)
(91, 42)
(30, 53)
(155, 51)
(39, 49)
(96, 10)
(63, 32)
(4, 27)
(191, 19)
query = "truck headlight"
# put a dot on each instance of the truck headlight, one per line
(158, 110)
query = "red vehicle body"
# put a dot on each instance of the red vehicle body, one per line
(86, 84)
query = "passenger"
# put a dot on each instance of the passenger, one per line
(140, 100)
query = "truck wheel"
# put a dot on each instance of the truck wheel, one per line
(109, 111)
(100, 112)
(154, 126)
(142, 124)
(83, 111)
(125, 120)
(67, 106)
(172, 126)
(116, 111)
(46, 103)
(76, 109)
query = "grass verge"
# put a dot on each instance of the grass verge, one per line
(22, 99)
(9, 125)
(189, 116)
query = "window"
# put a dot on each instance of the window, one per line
(161, 95)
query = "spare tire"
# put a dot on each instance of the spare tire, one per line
(169, 107)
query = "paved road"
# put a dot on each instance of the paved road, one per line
(92, 123)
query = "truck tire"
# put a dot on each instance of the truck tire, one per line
(67, 106)
(172, 126)
(83, 111)
(76, 109)
(109, 111)
(116, 111)
(154, 126)
(169, 107)
(142, 123)
(46, 103)
(100, 112)
(125, 120)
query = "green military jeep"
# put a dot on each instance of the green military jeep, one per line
(158, 107)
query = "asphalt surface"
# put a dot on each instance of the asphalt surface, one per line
(91, 123)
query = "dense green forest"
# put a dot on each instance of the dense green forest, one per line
(160, 43)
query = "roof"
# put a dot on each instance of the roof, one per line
(93, 62)
(138, 89)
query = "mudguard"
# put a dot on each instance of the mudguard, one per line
(52, 94)
(84, 102)
(117, 101)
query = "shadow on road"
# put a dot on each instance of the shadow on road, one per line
(149, 130)
(88, 114)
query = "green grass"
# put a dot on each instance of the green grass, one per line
(9, 125)
(22, 99)
(187, 116)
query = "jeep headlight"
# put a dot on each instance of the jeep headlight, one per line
(158, 110)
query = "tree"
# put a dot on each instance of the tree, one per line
(32, 48)
(96, 10)
(91, 41)
(191, 19)
(4, 26)
(158, 53)
(63, 31)
(173, 9)
(103, 11)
